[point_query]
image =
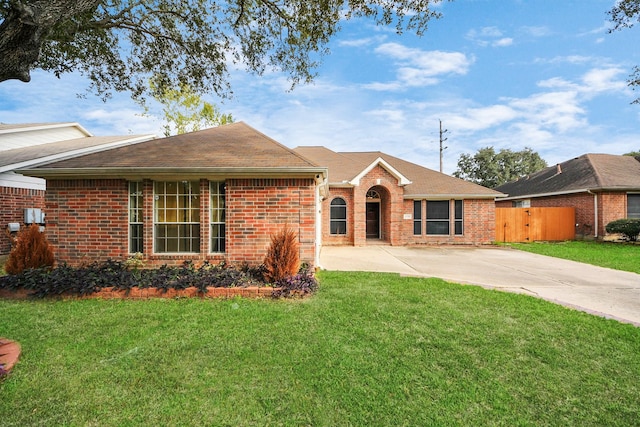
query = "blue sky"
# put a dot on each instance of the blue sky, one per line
(511, 74)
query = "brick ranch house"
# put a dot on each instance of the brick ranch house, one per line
(28, 145)
(601, 188)
(219, 194)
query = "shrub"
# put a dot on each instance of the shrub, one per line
(283, 257)
(301, 284)
(32, 250)
(629, 228)
(93, 277)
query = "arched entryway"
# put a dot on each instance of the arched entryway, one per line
(376, 215)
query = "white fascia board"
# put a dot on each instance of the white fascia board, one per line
(556, 193)
(78, 152)
(451, 196)
(136, 173)
(48, 126)
(402, 180)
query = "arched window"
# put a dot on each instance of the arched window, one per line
(338, 216)
(373, 195)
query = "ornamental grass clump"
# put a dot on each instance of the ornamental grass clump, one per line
(32, 250)
(283, 259)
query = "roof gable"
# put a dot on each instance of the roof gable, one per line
(419, 182)
(402, 180)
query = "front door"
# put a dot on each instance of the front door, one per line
(373, 220)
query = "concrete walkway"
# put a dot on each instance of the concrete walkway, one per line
(601, 291)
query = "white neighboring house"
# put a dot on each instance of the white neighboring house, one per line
(29, 145)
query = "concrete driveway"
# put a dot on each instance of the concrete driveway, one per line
(601, 291)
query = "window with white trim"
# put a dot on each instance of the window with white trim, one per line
(438, 217)
(176, 211)
(338, 216)
(135, 218)
(218, 232)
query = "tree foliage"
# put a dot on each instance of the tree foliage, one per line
(492, 169)
(118, 44)
(185, 111)
(632, 153)
(625, 14)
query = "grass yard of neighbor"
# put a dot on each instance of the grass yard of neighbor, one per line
(618, 256)
(367, 349)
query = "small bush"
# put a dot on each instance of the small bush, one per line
(629, 228)
(302, 284)
(283, 257)
(32, 250)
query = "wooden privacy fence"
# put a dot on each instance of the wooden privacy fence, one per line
(534, 224)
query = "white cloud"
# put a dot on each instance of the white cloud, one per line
(417, 67)
(506, 41)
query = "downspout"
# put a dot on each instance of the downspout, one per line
(319, 222)
(595, 212)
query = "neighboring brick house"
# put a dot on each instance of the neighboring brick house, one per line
(601, 188)
(374, 197)
(27, 145)
(217, 194)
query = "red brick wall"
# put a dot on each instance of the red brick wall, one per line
(258, 208)
(611, 206)
(87, 220)
(391, 194)
(13, 201)
(478, 224)
(337, 239)
(479, 215)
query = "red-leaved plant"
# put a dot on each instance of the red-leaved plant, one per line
(32, 250)
(283, 258)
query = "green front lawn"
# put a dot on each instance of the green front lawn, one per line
(367, 349)
(619, 256)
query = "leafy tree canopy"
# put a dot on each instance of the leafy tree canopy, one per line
(632, 153)
(492, 169)
(625, 14)
(185, 111)
(119, 44)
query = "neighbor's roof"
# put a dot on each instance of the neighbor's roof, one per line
(344, 167)
(37, 154)
(230, 150)
(589, 172)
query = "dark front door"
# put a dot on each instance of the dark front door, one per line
(373, 220)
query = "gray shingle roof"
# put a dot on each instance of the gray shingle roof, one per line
(235, 145)
(587, 172)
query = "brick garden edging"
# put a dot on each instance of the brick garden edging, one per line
(146, 293)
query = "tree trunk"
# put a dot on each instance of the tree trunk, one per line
(26, 26)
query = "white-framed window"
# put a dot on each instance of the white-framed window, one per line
(633, 205)
(218, 217)
(176, 211)
(136, 242)
(438, 217)
(338, 216)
